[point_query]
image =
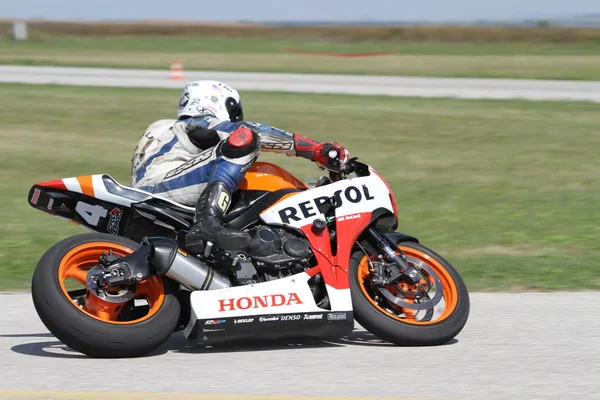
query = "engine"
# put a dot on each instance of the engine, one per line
(277, 252)
(273, 254)
(277, 248)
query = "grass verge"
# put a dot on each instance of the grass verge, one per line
(577, 61)
(508, 191)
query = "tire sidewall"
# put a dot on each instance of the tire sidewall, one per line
(404, 333)
(89, 335)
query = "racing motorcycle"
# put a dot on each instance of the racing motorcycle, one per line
(321, 256)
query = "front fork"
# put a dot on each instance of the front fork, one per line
(397, 263)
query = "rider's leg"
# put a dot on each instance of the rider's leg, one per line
(236, 155)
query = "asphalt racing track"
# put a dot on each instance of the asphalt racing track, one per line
(514, 346)
(314, 83)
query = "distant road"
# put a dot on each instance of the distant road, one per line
(313, 83)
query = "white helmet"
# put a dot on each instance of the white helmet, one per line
(210, 98)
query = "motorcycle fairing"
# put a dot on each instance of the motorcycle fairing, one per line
(358, 200)
(352, 215)
(356, 196)
(96, 202)
(82, 200)
(275, 309)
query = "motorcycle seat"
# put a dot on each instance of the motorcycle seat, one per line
(138, 195)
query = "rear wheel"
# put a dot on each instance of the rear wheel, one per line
(429, 312)
(121, 322)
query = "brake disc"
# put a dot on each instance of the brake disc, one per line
(115, 295)
(417, 306)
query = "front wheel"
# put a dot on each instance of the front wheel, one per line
(117, 322)
(400, 313)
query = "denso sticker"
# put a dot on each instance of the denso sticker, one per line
(291, 317)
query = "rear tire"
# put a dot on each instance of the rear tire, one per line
(395, 331)
(85, 333)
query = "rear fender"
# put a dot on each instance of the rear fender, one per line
(74, 199)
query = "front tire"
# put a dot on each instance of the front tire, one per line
(91, 325)
(405, 329)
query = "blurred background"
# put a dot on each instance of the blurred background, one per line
(507, 190)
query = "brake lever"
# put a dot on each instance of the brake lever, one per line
(348, 168)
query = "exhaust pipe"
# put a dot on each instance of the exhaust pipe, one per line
(192, 273)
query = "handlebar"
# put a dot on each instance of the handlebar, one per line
(351, 166)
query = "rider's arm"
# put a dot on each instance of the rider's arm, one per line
(279, 141)
(207, 128)
(206, 132)
(292, 144)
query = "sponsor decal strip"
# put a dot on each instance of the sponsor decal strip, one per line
(332, 316)
(311, 208)
(35, 196)
(243, 320)
(272, 300)
(215, 321)
(336, 316)
(114, 221)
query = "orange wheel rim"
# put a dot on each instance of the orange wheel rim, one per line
(450, 291)
(76, 264)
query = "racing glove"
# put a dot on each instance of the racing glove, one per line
(329, 155)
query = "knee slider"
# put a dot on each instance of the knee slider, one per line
(240, 143)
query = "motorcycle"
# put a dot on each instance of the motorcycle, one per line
(321, 256)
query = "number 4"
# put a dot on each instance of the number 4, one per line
(91, 214)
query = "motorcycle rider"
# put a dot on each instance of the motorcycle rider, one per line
(202, 156)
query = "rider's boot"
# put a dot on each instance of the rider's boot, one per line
(208, 221)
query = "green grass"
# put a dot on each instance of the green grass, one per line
(508, 191)
(493, 60)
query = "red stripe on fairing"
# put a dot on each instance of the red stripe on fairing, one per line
(334, 269)
(57, 184)
(348, 232)
(325, 263)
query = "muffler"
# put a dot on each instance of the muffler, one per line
(169, 260)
